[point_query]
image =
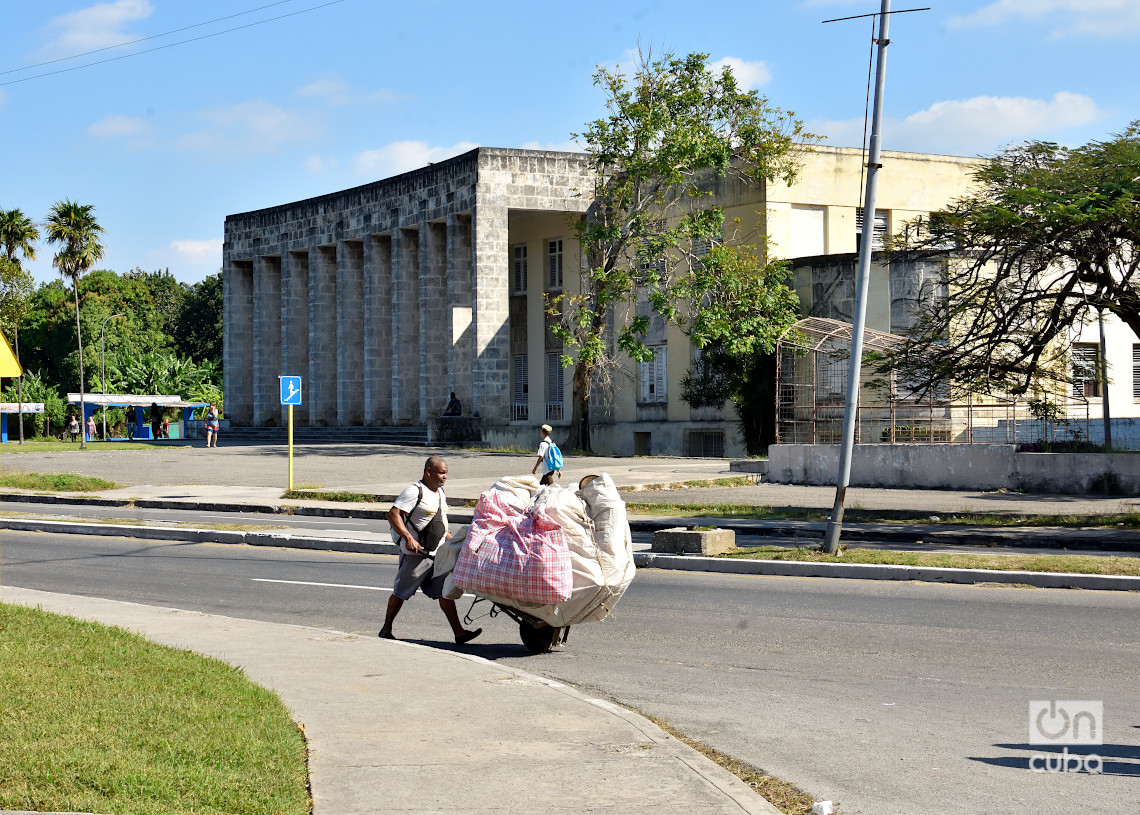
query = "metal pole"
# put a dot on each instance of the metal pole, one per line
(1104, 384)
(862, 276)
(290, 447)
(103, 367)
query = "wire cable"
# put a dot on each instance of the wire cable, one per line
(143, 39)
(169, 45)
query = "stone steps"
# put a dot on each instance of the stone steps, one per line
(412, 436)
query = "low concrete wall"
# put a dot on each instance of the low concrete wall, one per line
(454, 429)
(958, 466)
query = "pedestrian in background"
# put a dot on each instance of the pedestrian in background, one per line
(213, 424)
(549, 458)
(91, 428)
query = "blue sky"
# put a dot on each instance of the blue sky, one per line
(166, 144)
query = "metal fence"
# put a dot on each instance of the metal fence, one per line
(811, 374)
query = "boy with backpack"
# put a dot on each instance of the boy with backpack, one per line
(549, 458)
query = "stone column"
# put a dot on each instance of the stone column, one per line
(237, 341)
(322, 336)
(433, 319)
(491, 379)
(350, 333)
(295, 328)
(266, 339)
(405, 325)
(460, 329)
(377, 329)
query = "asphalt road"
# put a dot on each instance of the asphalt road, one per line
(888, 698)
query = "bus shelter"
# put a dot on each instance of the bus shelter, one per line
(7, 408)
(136, 404)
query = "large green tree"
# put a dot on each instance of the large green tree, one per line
(198, 334)
(740, 305)
(18, 236)
(74, 228)
(671, 132)
(1049, 237)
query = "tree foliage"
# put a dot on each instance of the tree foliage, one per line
(671, 132)
(1047, 239)
(741, 306)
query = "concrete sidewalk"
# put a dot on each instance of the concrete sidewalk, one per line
(475, 737)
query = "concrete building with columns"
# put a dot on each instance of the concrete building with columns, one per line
(388, 296)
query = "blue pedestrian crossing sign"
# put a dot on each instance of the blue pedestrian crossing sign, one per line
(290, 390)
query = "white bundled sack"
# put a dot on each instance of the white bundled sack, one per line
(593, 521)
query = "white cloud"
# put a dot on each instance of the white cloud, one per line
(200, 251)
(96, 26)
(250, 127)
(114, 126)
(982, 124)
(334, 90)
(401, 156)
(750, 75)
(561, 147)
(1109, 19)
(317, 164)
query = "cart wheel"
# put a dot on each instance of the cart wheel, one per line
(538, 640)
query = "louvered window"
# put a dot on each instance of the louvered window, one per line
(654, 376)
(1086, 369)
(520, 411)
(880, 229)
(554, 379)
(518, 268)
(1136, 373)
(554, 264)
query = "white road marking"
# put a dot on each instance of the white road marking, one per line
(326, 585)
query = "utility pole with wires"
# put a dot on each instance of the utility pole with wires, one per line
(862, 277)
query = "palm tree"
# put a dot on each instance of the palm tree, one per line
(18, 235)
(74, 227)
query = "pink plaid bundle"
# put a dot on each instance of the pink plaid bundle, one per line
(513, 556)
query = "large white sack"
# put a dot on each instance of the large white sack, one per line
(593, 520)
(614, 545)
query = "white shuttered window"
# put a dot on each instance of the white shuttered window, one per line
(554, 264)
(880, 229)
(554, 379)
(518, 268)
(654, 377)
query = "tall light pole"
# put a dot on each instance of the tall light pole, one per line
(103, 367)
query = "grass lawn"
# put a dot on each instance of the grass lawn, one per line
(54, 482)
(97, 719)
(1080, 564)
(64, 446)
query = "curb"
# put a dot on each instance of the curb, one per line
(643, 560)
(1072, 539)
(871, 571)
(188, 535)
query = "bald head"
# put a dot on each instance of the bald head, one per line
(435, 472)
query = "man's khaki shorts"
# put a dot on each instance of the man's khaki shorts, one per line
(415, 573)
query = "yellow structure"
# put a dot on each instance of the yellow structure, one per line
(819, 215)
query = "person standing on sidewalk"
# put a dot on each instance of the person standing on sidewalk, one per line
(419, 519)
(213, 424)
(549, 458)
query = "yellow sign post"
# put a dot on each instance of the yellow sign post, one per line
(290, 395)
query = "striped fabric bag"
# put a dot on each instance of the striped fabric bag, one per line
(514, 557)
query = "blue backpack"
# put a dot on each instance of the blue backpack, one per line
(553, 457)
